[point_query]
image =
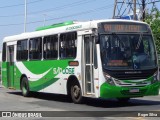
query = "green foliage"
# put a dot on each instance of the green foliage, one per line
(153, 19)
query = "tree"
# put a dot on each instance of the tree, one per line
(153, 19)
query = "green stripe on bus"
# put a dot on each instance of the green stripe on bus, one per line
(37, 85)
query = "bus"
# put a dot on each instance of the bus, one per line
(96, 59)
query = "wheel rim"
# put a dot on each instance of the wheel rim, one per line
(76, 91)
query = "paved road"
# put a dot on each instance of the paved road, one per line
(12, 100)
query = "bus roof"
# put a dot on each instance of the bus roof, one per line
(61, 28)
(56, 25)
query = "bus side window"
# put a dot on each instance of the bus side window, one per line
(68, 45)
(4, 52)
(50, 47)
(35, 48)
(22, 50)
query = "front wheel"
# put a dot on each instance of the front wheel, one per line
(25, 87)
(76, 93)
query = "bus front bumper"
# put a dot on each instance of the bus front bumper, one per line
(108, 91)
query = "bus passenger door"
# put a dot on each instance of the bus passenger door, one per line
(87, 67)
(10, 66)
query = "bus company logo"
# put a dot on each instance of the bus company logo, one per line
(63, 71)
(6, 114)
(74, 27)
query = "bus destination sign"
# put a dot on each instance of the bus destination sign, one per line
(125, 27)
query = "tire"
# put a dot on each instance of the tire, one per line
(76, 94)
(25, 87)
(123, 100)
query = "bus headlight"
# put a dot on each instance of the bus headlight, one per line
(109, 79)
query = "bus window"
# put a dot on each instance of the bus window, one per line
(35, 48)
(68, 45)
(4, 52)
(50, 47)
(22, 50)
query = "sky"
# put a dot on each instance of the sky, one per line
(50, 11)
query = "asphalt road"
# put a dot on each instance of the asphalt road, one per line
(12, 100)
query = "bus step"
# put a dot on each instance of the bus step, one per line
(89, 95)
(11, 88)
(88, 82)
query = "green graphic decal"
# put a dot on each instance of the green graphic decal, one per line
(36, 86)
(58, 67)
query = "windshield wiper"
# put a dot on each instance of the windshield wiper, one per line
(139, 41)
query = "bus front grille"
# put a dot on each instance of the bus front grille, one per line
(133, 77)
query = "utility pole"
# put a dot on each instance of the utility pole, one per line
(25, 15)
(143, 7)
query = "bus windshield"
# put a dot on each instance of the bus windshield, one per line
(127, 51)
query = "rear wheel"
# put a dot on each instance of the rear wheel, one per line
(76, 93)
(25, 87)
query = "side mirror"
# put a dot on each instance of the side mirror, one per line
(96, 39)
(95, 35)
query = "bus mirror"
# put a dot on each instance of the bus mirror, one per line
(96, 39)
(95, 35)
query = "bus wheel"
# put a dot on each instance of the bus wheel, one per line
(123, 100)
(25, 87)
(76, 93)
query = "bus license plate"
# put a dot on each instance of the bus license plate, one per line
(134, 90)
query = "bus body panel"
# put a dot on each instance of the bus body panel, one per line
(4, 74)
(51, 71)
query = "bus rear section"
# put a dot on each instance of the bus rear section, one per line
(8, 53)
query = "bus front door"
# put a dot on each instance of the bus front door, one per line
(87, 67)
(10, 66)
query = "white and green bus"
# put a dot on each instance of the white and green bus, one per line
(97, 59)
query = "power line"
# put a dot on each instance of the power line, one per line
(64, 6)
(67, 16)
(124, 8)
(53, 9)
(9, 6)
(84, 12)
(154, 2)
